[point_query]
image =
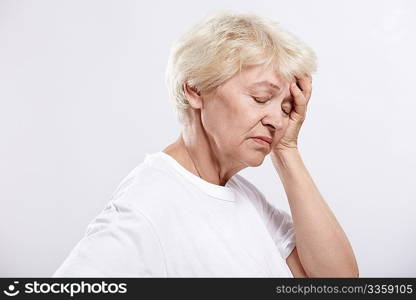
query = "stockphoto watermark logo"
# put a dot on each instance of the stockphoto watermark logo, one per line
(12, 289)
(69, 288)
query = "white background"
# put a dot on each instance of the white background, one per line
(83, 99)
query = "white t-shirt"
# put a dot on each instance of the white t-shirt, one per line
(164, 221)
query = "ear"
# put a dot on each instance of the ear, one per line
(193, 96)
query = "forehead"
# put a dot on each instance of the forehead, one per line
(256, 77)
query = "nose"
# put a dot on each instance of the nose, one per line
(273, 117)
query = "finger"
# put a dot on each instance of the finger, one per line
(305, 84)
(299, 98)
(297, 93)
(303, 81)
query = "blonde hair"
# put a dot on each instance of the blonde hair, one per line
(222, 44)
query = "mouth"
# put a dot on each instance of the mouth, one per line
(261, 141)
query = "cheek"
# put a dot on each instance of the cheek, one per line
(233, 112)
(247, 112)
(238, 122)
(229, 118)
(223, 119)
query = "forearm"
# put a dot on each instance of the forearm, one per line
(323, 247)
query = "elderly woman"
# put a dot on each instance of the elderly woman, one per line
(240, 85)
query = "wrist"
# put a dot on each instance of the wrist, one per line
(282, 152)
(284, 159)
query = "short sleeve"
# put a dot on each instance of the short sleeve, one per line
(278, 222)
(280, 225)
(119, 242)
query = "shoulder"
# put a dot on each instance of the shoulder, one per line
(247, 187)
(145, 189)
(260, 202)
(251, 192)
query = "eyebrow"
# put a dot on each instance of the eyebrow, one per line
(265, 83)
(269, 85)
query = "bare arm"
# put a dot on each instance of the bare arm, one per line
(322, 248)
(295, 265)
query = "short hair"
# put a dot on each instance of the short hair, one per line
(224, 42)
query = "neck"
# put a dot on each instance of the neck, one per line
(198, 154)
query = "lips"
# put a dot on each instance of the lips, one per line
(264, 138)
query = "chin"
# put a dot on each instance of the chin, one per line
(256, 159)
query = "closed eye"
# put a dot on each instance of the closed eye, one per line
(286, 106)
(258, 101)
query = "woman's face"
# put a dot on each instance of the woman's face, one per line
(231, 116)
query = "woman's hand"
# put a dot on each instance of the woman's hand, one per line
(301, 98)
